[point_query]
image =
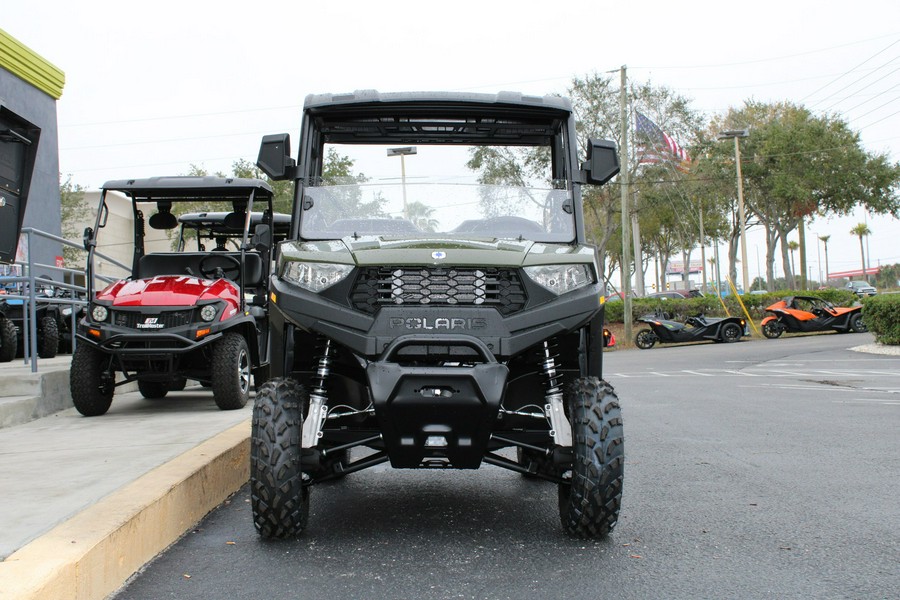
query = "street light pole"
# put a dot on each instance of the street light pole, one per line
(403, 153)
(739, 133)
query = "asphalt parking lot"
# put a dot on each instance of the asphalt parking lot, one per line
(762, 469)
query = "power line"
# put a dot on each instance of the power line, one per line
(895, 42)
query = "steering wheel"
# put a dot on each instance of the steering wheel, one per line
(210, 272)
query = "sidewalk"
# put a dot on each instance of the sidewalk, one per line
(100, 488)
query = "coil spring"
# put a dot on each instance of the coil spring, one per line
(323, 370)
(548, 365)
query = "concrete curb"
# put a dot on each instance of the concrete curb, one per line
(877, 348)
(93, 554)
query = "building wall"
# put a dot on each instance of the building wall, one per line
(30, 102)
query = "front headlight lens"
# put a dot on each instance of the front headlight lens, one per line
(99, 313)
(315, 277)
(208, 312)
(560, 279)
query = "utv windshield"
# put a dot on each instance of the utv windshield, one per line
(429, 191)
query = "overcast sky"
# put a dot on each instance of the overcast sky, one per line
(153, 87)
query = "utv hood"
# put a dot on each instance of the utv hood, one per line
(383, 250)
(169, 290)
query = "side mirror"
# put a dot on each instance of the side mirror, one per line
(87, 239)
(602, 161)
(262, 237)
(275, 156)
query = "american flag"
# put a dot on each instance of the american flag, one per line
(654, 146)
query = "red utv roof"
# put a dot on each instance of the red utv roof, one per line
(189, 188)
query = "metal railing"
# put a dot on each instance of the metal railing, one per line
(28, 286)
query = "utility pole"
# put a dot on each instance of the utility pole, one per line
(623, 163)
(702, 253)
(801, 234)
(736, 134)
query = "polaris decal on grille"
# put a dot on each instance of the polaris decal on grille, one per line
(426, 323)
(151, 323)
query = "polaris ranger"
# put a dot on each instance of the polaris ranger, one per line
(438, 308)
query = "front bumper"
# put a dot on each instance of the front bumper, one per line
(504, 336)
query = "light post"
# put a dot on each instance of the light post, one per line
(736, 134)
(403, 153)
(825, 239)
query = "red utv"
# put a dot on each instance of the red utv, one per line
(179, 315)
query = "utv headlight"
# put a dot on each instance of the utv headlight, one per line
(99, 313)
(315, 277)
(208, 312)
(560, 279)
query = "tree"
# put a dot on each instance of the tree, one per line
(825, 239)
(422, 216)
(796, 164)
(861, 230)
(72, 206)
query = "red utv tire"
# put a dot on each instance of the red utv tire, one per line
(857, 325)
(231, 372)
(91, 388)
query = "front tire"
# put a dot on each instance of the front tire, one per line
(857, 325)
(48, 337)
(278, 497)
(731, 332)
(9, 339)
(231, 372)
(772, 329)
(91, 386)
(589, 504)
(645, 339)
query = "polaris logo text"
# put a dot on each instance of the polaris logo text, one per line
(150, 323)
(447, 324)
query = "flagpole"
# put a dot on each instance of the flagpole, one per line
(623, 162)
(636, 235)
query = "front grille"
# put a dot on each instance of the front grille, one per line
(151, 321)
(422, 286)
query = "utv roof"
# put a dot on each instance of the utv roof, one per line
(437, 117)
(189, 188)
(314, 101)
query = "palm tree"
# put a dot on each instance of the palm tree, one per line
(422, 216)
(792, 246)
(825, 239)
(862, 230)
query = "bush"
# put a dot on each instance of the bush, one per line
(882, 317)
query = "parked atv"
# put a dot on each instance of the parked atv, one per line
(694, 329)
(805, 314)
(47, 317)
(181, 315)
(9, 334)
(440, 322)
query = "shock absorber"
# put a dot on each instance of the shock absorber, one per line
(318, 400)
(560, 428)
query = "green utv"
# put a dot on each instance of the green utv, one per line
(436, 304)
